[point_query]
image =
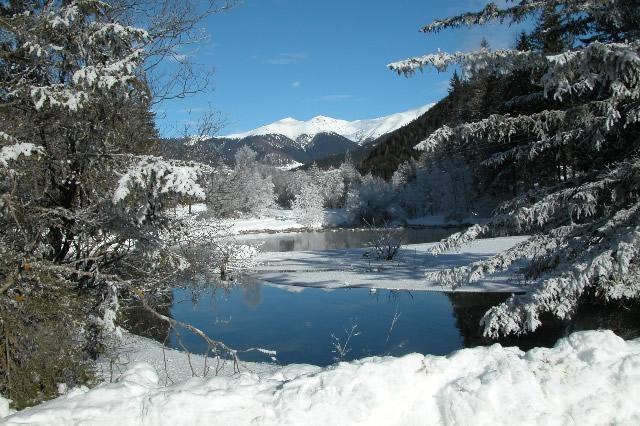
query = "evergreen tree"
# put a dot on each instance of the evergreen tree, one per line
(584, 222)
(455, 83)
(82, 192)
(523, 42)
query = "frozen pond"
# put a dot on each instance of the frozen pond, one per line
(337, 239)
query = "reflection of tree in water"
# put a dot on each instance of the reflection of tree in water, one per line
(286, 245)
(252, 295)
(468, 309)
(139, 321)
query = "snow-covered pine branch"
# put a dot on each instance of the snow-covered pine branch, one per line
(499, 61)
(459, 239)
(490, 13)
(610, 11)
(13, 152)
(584, 220)
(152, 177)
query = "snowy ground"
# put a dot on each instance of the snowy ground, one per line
(282, 220)
(271, 221)
(348, 268)
(285, 220)
(591, 377)
(172, 366)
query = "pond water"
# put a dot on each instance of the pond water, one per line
(337, 239)
(299, 322)
(304, 325)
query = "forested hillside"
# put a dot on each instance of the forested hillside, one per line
(468, 100)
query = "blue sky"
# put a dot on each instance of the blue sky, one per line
(302, 58)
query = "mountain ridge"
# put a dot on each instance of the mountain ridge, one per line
(359, 131)
(289, 143)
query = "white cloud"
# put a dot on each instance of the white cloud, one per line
(296, 84)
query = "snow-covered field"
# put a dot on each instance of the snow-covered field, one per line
(349, 268)
(271, 221)
(280, 220)
(285, 220)
(591, 377)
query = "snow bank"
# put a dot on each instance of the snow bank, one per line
(4, 407)
(171, 366)
(590, 377)
(349, 268)
(273, 220)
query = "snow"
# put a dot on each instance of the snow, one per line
(590, 377)
(165, 176)
(280, 220)
(349, 268)
(12, 152)
(358, 131)
(4, 407)
(290, 166)
(271, 221)
(133, 349)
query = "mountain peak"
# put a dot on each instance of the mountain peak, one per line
(288, 120)
(359, 131)
(322, 119)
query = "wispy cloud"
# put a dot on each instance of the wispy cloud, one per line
(296, 84)
(287, 59)
(333, 98)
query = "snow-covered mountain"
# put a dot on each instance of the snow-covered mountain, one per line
(290, 142)
(358, 131)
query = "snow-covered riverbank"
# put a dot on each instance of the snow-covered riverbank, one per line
(349, 268)
(172, 366)
(278, 220)
(590, 377)
(271, 221)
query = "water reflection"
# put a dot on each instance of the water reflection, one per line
(139, 321)
(299, 322)
(469, 309)
(340, 239)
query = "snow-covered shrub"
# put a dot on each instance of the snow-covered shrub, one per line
(232, 259)
(373, 200)
(578, 144)
(213, 248)
(242, 191)
(307, 205)
(386, 242)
